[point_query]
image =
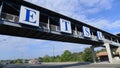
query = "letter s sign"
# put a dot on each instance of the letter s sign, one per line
(86, 32)
(29, 16)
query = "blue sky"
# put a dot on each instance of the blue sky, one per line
(103, 14)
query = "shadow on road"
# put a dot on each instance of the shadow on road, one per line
(44, 65)
(63, 65)
(67, 65)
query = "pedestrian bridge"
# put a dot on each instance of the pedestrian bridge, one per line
(24, 19)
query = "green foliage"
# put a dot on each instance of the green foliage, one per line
(77, 57)
(40, 59)
(102, 50)
(12, 61)
(47, 59)
(57, 59)
(87, 55)
(0, 66)
(66, 56)
(18, 61)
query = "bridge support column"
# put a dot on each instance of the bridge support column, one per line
(93, 54)
(107, 46)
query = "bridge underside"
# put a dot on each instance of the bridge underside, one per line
(7, 29)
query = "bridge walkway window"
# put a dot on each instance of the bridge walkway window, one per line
(94, 35)
(76, 31)
(10, 12)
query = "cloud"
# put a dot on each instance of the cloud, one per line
(16, 47)
(106, 24)
(66, 7)
(89, 3)
(72, 8)
(105, 4)
(95, 6)
(16, 43)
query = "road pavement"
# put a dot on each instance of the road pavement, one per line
(64, 65)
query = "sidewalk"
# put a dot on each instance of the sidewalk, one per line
(106, 62)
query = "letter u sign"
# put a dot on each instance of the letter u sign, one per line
(29, 16)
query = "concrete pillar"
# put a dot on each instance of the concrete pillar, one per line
(93, 54)
(107, 46)
(118, 51)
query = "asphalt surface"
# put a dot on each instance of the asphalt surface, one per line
(63, 65)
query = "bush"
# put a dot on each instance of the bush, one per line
(0, 66)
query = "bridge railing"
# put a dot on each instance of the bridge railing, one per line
(9, 17)
(94, 37)
(77, 34)
(51, 28)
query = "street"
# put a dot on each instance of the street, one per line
(63, 65)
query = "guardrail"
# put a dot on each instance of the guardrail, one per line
(9, 17)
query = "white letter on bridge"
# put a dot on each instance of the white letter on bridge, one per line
(86, 32)
(99, 35)
(65, 26)
(29, 16)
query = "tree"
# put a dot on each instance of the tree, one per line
(57, 58)
(0, 65)
(102, 50)
(87, 55)
(66, 56)
(47, 59)
(80, 57)
(18, 61)
(40, 59)
(74, 56)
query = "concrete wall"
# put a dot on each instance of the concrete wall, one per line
(118, 50)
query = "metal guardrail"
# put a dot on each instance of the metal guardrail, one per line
(77, 34)
(94, 37)
(9, 17)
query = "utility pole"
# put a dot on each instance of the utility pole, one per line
(53, 53)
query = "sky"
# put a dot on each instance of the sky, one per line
(103, 14)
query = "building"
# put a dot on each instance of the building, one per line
(33, 61)
(102, 56)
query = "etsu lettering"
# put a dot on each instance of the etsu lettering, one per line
(66, 26)
(30, 16)
(87, 31)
